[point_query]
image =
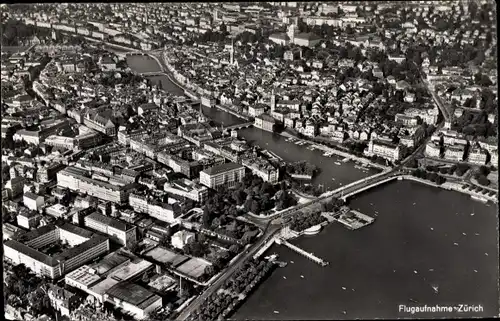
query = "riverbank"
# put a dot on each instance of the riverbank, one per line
(336, 151)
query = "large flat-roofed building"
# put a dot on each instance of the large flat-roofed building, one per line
(121, 232)
(188, 189)
(97, 279)
(79, 179)
(222, 175)
(27, 249)
(134, 298)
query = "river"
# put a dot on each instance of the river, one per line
(330, 175)
(423, 237)
(408, 249)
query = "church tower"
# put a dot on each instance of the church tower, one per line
(291, 32)
(231, 53)
(273, 101)
(201, 116)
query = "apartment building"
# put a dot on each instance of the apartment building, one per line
(161, 211)
(84, 247)
(119, 231)
(222, 175)
(188, 189)
(265, 122)
(384, 149)
(78, 179)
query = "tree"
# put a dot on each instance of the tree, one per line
(483, 180)
(235, 248)
(209, 270)
(255, 207)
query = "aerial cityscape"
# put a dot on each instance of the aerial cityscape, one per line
(250, 160)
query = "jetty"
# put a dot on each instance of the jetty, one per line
(297, 249)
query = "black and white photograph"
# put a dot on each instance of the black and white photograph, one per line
(197, 161)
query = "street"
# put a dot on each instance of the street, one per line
(227, 274)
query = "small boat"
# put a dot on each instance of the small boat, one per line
(475, 271)
(337, 163)
(431, 270)
(344, 312)
(333, 179)
(456, 244)
(471, 214)
(432, 229)
(277, 312)
(284, 277)
(486, 254)
(353, 290)
(415, 271)
(435, 288)
(292, 262)
(414, 203)
(464, 234)
(343, 288)
(476, 234)
(302, 276)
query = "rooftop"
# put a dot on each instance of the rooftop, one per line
(222, 168)
(109, 221)
(133, 294)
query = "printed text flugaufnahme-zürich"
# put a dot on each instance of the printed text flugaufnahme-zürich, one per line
(459, 308)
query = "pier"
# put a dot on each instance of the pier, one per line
(297, 249)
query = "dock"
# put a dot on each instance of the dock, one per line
(297, 249)
(354, 220)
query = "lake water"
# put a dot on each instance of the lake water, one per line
(395, 261)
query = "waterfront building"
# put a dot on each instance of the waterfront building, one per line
(188, 189)
(384, 149)
(226, 174)
(120, 231)
(85, 246)
(78, 179)
(454, 152)
(182, 238)
(262, 168)
(477, 156)
(265, 122)
(432, 149)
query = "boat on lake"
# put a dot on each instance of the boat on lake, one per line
(337, 163)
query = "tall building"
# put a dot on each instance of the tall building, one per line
(222, 175)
